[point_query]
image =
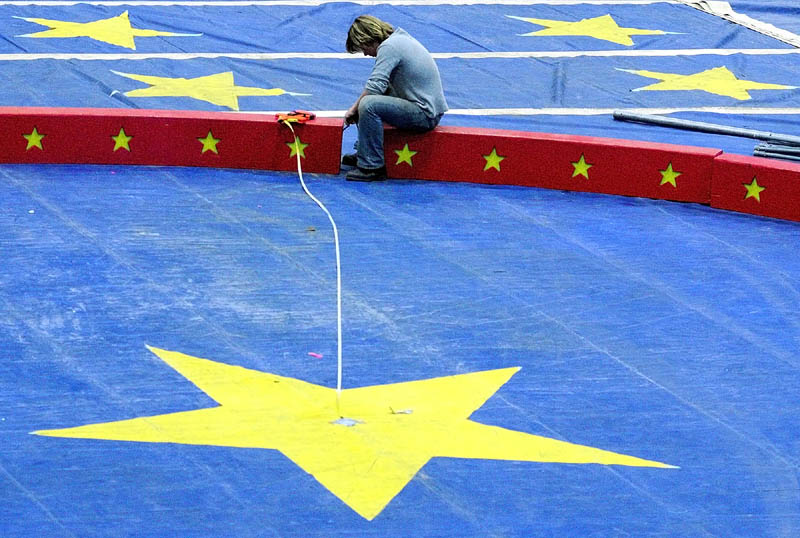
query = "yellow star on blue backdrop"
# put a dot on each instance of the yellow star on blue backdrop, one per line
(603, 27)
(218, 89)
(718, 80)
(115, 30)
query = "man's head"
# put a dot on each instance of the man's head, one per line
(366, 33)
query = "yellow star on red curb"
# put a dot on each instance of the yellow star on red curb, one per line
(404, 155)
(297, 147)
(669, 176)
(493, 160)
(717, 81)
(581, 168)
(114, 31)
(754, 190)
(34, 140)
(121, 140)
(603, 27)
(209, 143)
(365, 450)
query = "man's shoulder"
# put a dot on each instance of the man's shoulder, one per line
(398, 37)
(400, 40)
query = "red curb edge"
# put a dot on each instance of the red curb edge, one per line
(754, 185)
(565, 162)
(168, 138)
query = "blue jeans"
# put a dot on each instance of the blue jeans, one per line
(373, 112)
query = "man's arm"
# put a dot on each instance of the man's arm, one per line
(378, 82)
(351, 116)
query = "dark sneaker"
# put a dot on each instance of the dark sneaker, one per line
(350, 160)
(367, 174)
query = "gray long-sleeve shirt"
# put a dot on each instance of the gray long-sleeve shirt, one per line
(404, 68)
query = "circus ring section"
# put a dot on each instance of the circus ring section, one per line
(707, 176)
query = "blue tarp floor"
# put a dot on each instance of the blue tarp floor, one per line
(656, 343)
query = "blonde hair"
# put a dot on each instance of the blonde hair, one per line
(367, 30)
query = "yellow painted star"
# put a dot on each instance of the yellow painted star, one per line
(121, 140)
(669, 176)
(718, 81)
(754, 190)
(218, 89)
(34, 140)
(603, 27)
(209, 143)
(404, 155)
(581, 168)
(115, 30)
(493, 160)
(389, 432)
(297, 147)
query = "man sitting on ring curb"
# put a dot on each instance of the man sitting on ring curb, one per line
(404, 90)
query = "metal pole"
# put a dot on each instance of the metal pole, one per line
(772, 148)
(773, 155)
(713, 128)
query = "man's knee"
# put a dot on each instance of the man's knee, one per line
(367, 105)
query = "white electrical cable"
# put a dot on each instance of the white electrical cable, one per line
(338, 273)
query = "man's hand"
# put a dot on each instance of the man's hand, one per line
(351, 116)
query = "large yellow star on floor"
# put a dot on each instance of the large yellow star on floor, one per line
(603, 27)
(393, 429)
(218, 89)
(718, 80)
(115, 30)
